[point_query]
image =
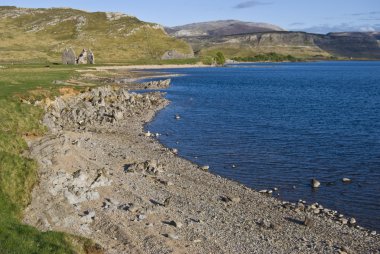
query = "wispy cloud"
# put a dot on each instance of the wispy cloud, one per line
(366, 13)
(297, 24)
(344, 27)
(250, 4)
(370, 19)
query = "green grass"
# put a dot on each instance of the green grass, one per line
(271, 57)
(18, 174)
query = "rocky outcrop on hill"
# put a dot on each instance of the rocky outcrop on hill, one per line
(90, 57)
(82, 58)
(85, 57)
(173, 54)
(68, 56)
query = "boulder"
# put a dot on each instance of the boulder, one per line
(346, 180)
(157, 84)
(90, 57)
(82, 58)
(315, 183)
(68, 56)
(173, 54)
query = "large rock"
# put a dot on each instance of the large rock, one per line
(315, 183)
(157, 84)
(173, 54)
(90, 57)
(68, 56)
(82, 58)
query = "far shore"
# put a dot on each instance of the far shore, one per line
(151, 67)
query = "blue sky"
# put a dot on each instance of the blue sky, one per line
(319, 16)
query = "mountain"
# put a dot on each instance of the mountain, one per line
(235, 40)
(38, 35)
(355, 45)
(221, 28)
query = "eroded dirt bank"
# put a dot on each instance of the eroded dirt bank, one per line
(103, 177)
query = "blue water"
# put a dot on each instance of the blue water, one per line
(281, 125)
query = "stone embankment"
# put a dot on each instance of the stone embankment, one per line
(151, 85)
(102, 176)
(99, 109)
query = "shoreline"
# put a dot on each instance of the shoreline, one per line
(111, 181)
(151, 67)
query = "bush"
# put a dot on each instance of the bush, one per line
(220, 59)
(208, 60)
(270, 57)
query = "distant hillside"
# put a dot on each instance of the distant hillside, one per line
(355, 45)
(221, 28)
(35, 35)
(298, 44)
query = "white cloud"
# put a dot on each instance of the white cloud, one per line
(367, 29)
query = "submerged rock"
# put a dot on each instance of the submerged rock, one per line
(315, 183)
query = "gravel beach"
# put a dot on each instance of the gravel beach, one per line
(103, 177)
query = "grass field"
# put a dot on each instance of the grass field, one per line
(18, 174)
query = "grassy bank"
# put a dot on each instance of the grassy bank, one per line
(18, 174)
(272, 57)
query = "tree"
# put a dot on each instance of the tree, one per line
(220, 59)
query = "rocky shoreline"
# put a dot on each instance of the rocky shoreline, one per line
(103, 177)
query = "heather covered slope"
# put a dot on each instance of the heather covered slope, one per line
(39, 35)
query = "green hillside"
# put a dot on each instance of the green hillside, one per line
(40, 35)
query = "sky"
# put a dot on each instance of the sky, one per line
(318, 16)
